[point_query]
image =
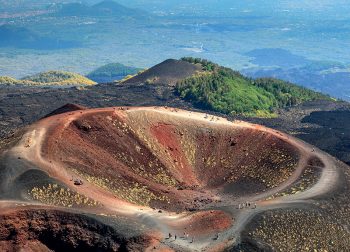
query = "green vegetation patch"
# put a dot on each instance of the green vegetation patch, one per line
(56, 195)
(224, 90)
(288, 94)
(59, 78)
(50, 78)
(132, 192)
(8, 80)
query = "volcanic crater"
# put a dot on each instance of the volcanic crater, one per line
(167, 170)
(168, 158)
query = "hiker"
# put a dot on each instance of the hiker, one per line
(78, 182)
(175, 237)
(216, 236)
(169, 235)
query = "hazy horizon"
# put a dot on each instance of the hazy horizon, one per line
(226, 32)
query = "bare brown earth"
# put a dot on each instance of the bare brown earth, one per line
(151, 171)
(168, 73)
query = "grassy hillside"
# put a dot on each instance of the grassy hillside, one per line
(112, 71)
(288, 94)
(224, 90)
(50, 78)
(8, 80)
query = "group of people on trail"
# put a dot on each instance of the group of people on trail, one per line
(250, 205)
(185, 237)
(76, 181)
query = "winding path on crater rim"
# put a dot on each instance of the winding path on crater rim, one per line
(154, 129)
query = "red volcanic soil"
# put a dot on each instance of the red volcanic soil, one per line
(172, 158)
(204, 223)
(145, 173)
(166, 135)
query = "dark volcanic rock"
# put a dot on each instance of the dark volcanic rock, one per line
(66, 108)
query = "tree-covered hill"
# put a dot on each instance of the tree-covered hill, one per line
(111, 72)
(224, 90)
(50, 78)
